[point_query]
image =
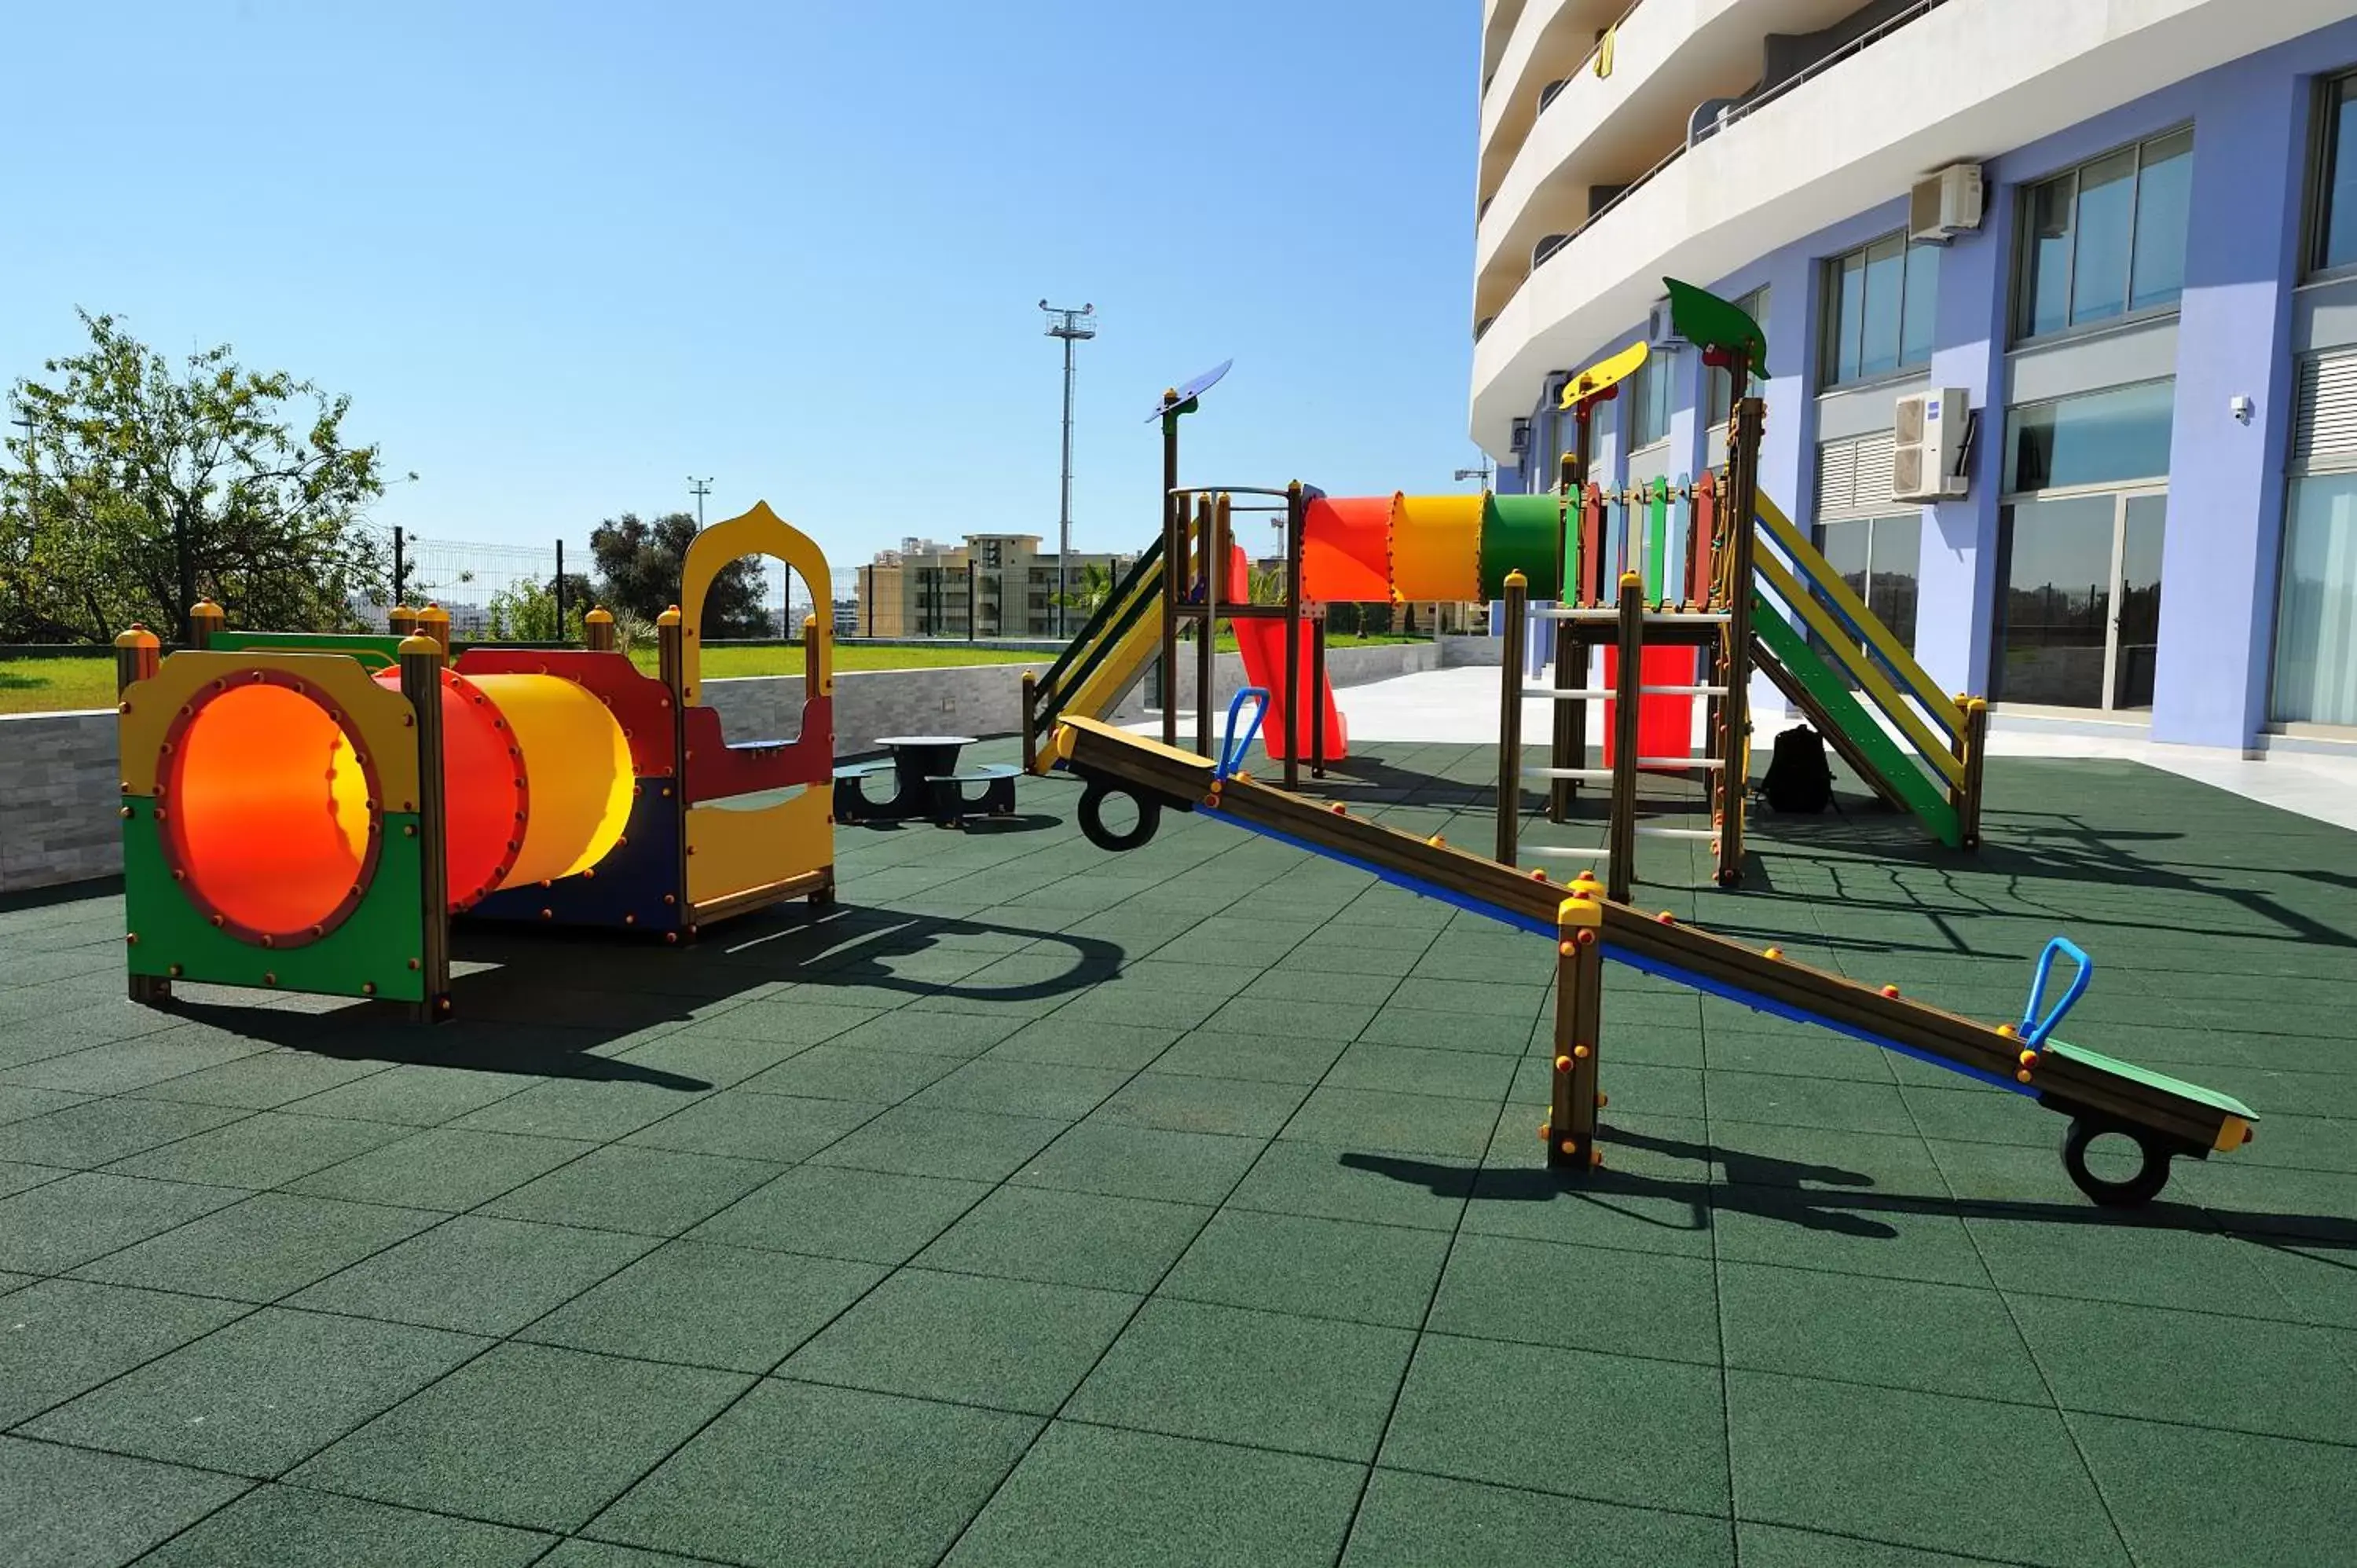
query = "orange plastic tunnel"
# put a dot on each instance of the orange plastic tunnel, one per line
(272, 798)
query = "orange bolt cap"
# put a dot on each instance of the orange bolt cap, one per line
(2022, 1077)
(1563, 1064)
(1570, 1146)
(2029, 1059)
(1562, 947)
(1666, 917)
(1579, 1051)
(1773, 953)
(1890, 991)
(1602, 1100)
(1585, 938)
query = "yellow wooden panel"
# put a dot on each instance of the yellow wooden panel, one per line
(1820, 571)
(1863, 669)
(1120, 665)
(730, 849)
(759, 531)
(382, 719)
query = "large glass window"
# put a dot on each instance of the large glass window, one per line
(2316, 626)
(1650, 394)
(2332, 222)
(2107, 239)
(1881, 560)
(1879, 304)
(1720, 394)
(2080, 616)
(2096, 439)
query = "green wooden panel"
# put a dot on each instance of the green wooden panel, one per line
(2150, 1079)
(1926, 799)
(1521, 533)
(1657, 539)
(374, 945)
(376, 652)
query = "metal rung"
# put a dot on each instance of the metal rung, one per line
(1571, 694)
(1566, 854)
(1651, 617)
(1681, 762)
(1577, 774)
(1572, 612)
(1677, 833)
(1683, 690)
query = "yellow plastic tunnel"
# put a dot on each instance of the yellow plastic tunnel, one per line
(1435, 546)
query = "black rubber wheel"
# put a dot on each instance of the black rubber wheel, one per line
(1092, 824)
(2134, 1192)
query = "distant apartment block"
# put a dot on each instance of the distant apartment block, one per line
(989, 585)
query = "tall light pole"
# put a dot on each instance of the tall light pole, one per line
(1481, 473)
(1073, 326)
(699, 488)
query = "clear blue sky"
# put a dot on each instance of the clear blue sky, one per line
(564, 255)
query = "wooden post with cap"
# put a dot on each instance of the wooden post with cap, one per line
(671, 655)
(137, 653)
(1570, 1131)
(1627, 689)
(598, 630)
(205, 619)
(1510, 716)
(421, 657)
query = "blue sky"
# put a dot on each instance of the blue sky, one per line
(564, 255)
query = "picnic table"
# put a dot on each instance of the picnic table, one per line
(926, 782)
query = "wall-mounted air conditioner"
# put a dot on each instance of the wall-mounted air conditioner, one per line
(1661, 331)
(1943, 205)
(1928, 437)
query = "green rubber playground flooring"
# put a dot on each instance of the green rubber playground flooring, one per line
(1047, 1206)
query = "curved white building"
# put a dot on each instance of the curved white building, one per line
(2150, 309)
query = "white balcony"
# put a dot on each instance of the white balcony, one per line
(1668, 56)
(1552, 40)
(1967, 80)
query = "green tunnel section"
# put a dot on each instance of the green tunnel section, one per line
(1522, 533)
(1900, 771)
(372, 947)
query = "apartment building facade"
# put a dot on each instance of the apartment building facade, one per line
(986, 586)
(2150, 314)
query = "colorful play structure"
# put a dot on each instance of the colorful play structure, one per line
(1451, 544)
(309, 812)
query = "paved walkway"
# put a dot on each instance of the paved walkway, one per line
(1042, 1206)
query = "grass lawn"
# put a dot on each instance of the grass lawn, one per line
(59, 685)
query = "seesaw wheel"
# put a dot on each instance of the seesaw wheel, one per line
(2132, 1191)
(1093, 822)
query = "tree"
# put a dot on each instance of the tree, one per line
(1089, 594)
(140, 488)
(526, 611)
(639, 564)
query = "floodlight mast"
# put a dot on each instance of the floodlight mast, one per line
(1073, 327)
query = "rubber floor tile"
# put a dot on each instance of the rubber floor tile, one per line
(651, 1192)
(1581, 1298)
(290, 1527)
(1796, 1441)
(839, 1072)
(1068, 1238)
(93, 1133)
(443, 1168)
(876, 1216)
(2186, 1497)
(1376, 1119)
(916, 1140)
(1410, 1521)
(1317, 1268)
(591, 1108)
(571, 1431)
(877, 1481)
(1323, 1181)
(1483, 1411)
(1142, 1162)
(2198, 1368)
(50, 1228)
(930, 1034)
(69, 1508)
(416, 1095)
(1184, 1103)
(1902, 1334)
(1056, 1090)
(1259, 1058)
(1302, 1385)
(265, 1150)
(704, 1306)
(259, 1395)
(1091, 1497)
(59, 1338)
(267, 1247)
(1410, 1069)
(475, 1274)
(1773, 1546)
(263, 1081)
(969, 1338)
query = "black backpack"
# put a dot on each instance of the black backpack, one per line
(1798, 777)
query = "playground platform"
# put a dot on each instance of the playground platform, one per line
(1040, 1205)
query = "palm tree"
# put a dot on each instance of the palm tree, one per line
(1088, 596)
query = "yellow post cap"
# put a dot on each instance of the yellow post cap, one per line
(1632, 580)
(416, 646)
(137, 636)
(669, 617)
(599, 617)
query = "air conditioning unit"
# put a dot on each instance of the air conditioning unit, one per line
(1943, 205)
(1928, 437)
(1661, 331)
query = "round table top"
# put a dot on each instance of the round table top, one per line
(924, 740)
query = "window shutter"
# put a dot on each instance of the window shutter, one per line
(2324, 413)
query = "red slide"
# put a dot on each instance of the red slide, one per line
(1262, 644)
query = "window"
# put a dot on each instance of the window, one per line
(2094, 439)
(1720, 392)
(2316, 614)
(1652, 394)
(2106, 240)
(1881, 302)
(2332, 221)
(1881, 558)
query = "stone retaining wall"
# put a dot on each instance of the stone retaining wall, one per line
(59, 787)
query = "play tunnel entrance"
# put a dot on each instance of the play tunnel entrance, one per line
(273, 812)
